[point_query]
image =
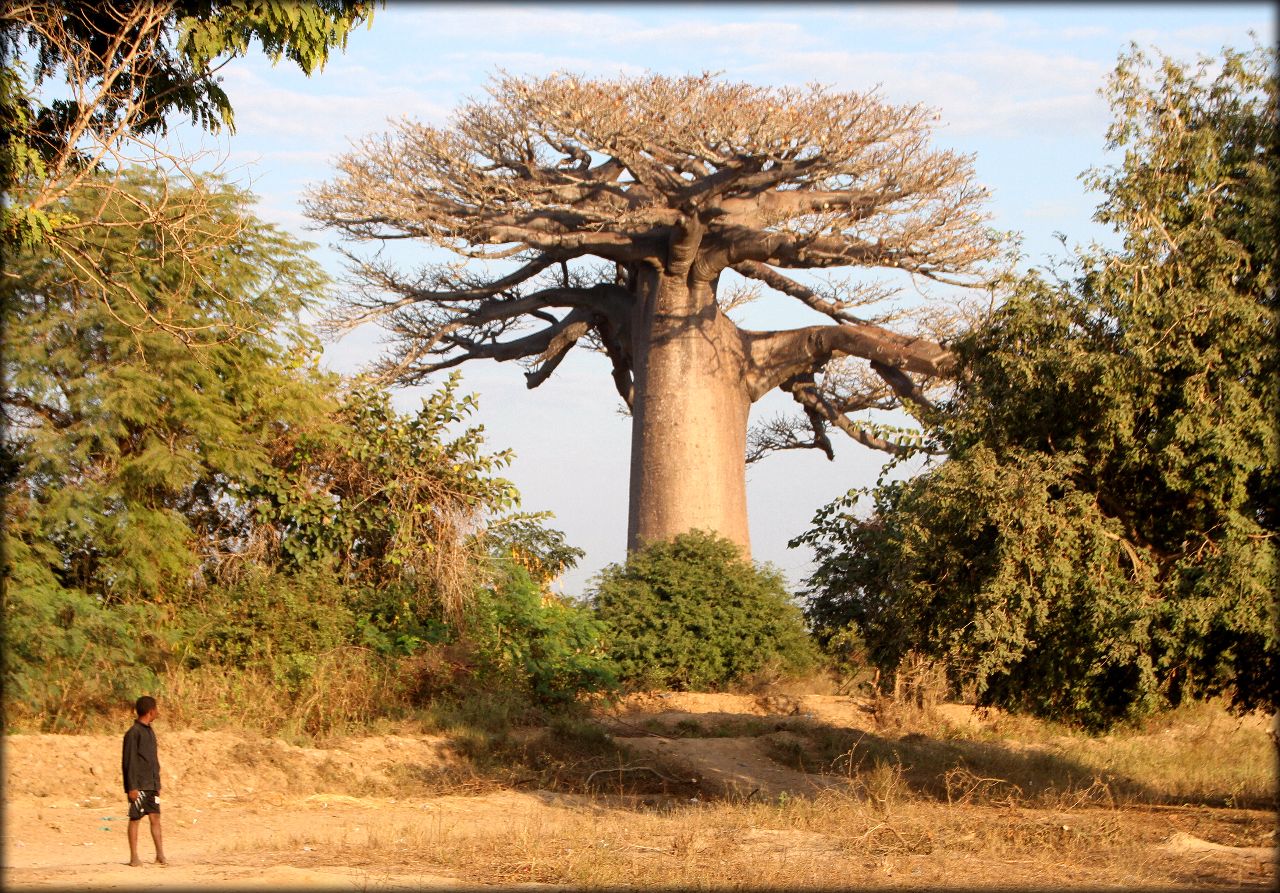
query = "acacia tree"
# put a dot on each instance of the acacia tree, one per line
(615, 209)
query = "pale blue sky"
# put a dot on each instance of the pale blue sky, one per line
(1014, 84)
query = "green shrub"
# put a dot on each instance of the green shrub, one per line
(397, 621)
(67, 657)
(537, 641)
(278, 622)
(694, 614)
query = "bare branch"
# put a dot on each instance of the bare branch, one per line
(902, 384)
(778, 282)
(808, 395)
(567, 333)
(352, 314)
(784, 432)
(443, 337)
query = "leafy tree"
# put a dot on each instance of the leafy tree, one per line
(525, 539)
(127, 443)
(693, 613)
(276, 622)
(620, 214)
(1102, 539)
(142, 453)
(66, 655)
(122, 71)
(124, 444)
(87, 90)
(204, 481)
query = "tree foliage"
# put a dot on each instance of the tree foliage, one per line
(127, 440)
(123, 443)
(201, 493)
(693, 614)
(387, 497)
(541, 643)
(122, 70)
(1102, 539)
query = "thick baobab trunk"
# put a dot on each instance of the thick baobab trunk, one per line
(689, 417)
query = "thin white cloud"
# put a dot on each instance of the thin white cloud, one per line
(427, 73)
(497, 23)
(1083, 32)
(701, 31)
(322, 121)
(930, 18)
(295, 157)
(998, 94)
(534, 63)
(1183, 43)
(708, 36)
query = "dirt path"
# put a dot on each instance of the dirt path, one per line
(248, 813)
(268, 841)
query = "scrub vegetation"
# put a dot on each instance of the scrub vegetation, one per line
(1063, 628)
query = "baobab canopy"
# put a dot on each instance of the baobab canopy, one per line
(606, 211)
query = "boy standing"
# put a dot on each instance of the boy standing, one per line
(140, 763)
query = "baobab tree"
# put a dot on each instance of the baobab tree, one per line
(608, 212)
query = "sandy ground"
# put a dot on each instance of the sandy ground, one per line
(229, 804)
(247, 813)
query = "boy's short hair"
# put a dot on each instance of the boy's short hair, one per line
(145, 705)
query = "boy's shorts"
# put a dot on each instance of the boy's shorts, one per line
(148, 802)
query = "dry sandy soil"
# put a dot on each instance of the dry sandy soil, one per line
(250, 813)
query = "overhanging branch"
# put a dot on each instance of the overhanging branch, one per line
(776, 357)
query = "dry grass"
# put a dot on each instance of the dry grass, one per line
(346, 693)
(1199, 754)
(832, 841)
(1017, 804)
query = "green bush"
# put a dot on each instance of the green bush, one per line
(694, 614)
(1101, 540)
(396, 620)
(537, 641)
(277, 622)
(68, 657)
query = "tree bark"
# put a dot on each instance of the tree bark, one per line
(689, 416)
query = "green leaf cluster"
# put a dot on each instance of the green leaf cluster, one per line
(383, 493)
(1102, 538)
(133, 67)
(537, 642)
(66, 655)
(276, 622)
(128, 443)
(304, 33)
(524, 538)
(695, 614)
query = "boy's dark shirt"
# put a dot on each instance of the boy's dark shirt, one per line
(140, 761)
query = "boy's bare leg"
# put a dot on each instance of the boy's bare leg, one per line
(156, 838)
(133, 842)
